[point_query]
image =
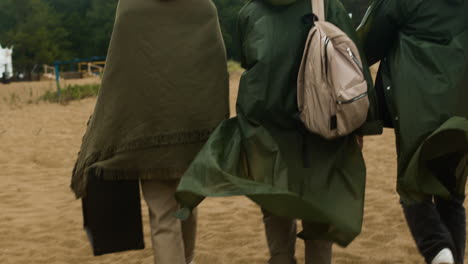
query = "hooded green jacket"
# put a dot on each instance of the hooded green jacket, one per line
(423, 86)
(264, 152)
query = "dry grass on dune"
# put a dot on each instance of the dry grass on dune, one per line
(17, 94)
(40, 221)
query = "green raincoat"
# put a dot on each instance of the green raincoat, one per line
(264, 152)
(164, 90)
(423, 85)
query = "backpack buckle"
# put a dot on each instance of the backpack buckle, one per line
(310, 19)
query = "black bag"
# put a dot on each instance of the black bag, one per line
(112, 216)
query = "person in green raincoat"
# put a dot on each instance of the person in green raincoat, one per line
(166, 60)
(265, 152)
(423, 85)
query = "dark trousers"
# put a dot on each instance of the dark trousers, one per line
(437, 223)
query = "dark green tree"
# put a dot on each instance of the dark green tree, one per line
(34, 29)
(89, 23)
(100, 21)
(73, 19)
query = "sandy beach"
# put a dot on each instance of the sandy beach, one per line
(41, 222)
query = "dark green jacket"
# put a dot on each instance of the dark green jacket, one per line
(265, 153)
(423, 84)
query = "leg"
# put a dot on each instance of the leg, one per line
(189, 232)
(452, 214)
(166, 230)
(428, 230)
(318, 252)
(281, 238)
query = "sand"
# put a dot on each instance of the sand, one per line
(41, 222)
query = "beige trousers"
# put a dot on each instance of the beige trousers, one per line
(173, 240)
(281, 237)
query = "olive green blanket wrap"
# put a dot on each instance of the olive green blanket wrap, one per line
(164, 89)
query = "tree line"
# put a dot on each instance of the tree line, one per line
(43, 31)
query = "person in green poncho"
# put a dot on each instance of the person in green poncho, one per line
(165, 88)
(423, 86)
(265, 153)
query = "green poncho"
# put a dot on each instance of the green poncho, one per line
(423, 83)
(165, 88)
(264, 153)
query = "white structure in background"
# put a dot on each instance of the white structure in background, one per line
(6, 61)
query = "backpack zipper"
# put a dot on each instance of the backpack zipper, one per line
(326, 42)
(359, 64)
(352, 100)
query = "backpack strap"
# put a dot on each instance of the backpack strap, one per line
(318, 8)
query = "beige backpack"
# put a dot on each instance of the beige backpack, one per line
(331, 87)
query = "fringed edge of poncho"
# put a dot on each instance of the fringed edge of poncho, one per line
(81, 170)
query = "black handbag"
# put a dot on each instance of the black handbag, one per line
(112, 215)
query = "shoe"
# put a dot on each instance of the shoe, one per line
(445, 256)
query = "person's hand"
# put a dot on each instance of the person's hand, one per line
(360, 141)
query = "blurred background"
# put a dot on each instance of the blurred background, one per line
(35, 34)
(52, 55)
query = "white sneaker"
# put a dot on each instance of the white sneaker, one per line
(445, 256)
